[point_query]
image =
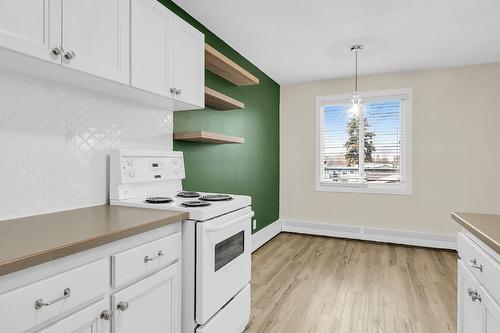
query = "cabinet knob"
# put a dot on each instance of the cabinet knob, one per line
(178, 92)
(57, 51)
(106, 315)
(122, 306)
(70, 55)
(173, 91)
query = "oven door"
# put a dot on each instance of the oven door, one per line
(223, 261)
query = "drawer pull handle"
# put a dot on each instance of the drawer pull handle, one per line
(148, 259)
(474, 295)
(39, 303)
(473, 264)
(122, 306)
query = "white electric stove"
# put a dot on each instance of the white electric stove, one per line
(216, 238)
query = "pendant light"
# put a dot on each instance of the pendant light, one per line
(358, 111)
(356, 99)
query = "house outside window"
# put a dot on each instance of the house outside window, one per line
(386, 166)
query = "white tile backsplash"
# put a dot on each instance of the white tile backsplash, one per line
(54, 140)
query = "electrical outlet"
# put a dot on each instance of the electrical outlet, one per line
(441, 225)
(254, 224)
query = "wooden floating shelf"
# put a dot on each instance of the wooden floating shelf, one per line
(207, 137)
(221, 102)
(221, 65)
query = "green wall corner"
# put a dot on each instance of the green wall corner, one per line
(251, 168)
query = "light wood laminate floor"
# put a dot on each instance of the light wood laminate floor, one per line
(318, 284)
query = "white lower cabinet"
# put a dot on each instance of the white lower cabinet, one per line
(468, 308)
(151, 305)
(93, 319)
(73, 295)
(478, 299)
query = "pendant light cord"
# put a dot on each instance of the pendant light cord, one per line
(356, 72)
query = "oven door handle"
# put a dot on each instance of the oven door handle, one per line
(227, 224)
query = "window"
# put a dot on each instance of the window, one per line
(386, 166)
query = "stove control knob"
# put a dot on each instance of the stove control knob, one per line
(131, 173)
(176, 161)
(130, 162)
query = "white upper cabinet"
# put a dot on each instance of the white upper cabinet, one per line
(31, 27)
(151, 47)
(157, 58)
(167, 54)
(96, 37)
(189, 63)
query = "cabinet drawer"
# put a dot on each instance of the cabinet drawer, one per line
(482, 265)
(36, 303)
(138, 261)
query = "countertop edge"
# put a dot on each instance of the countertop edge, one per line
(50, 254)
(494, 245)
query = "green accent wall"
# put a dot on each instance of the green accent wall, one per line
(251, 168)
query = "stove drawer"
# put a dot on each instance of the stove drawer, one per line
(141, 260)
(233, 317)
(34, 304)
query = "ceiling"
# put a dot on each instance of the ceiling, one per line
(294, 41)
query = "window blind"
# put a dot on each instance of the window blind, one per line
(383, 141)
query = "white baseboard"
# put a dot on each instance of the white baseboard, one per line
(264, 235)
(372, 234)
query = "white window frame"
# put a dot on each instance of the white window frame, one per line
(405, 187)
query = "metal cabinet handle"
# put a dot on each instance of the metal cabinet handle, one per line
(106, 315)
(178, 92)
(148, 259)
(122, 306)
(57, 50)
(473, 264)
(39, 303)
(70, 55)
(474, 295)
(173, 91)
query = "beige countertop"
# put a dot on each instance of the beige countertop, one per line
(483, 226)
(29, 241)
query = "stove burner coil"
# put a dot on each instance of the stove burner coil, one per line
(188, 194)
(196, 203)
(158, 200)
(216, 197)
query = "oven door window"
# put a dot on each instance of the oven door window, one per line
(229, 249)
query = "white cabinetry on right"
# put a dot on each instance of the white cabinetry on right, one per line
(478, 286)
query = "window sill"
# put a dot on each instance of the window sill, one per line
(367, 189)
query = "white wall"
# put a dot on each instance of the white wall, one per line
(54, 140)
(456, 152)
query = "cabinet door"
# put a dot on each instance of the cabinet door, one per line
(31, 27)
(189, 63)
(491, 313)
(151, 305)
(151, 48)
(87, 320)
(469, 310)
(96, 37)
